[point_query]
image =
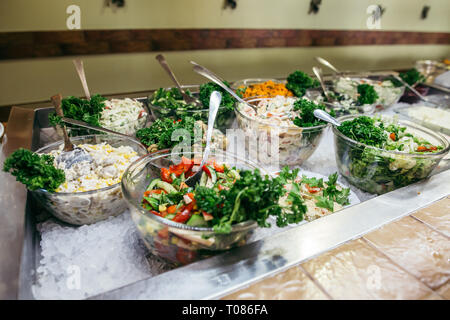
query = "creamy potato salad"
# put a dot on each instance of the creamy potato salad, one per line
(123, 115)
(106, 169)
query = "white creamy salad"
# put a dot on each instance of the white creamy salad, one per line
(274, 116)
(276, 111)
(106, 169)
(387, 93)
(123, 115)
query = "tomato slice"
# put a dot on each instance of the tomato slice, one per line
(206, 169)
(185, 213)
(207, 216)
(392, 136)
(172, 209)
(312, 189)
(165, 175)
(156, 213)
(219, 168)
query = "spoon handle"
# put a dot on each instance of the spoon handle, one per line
(211, 76)
(80, 70)
(56, 101)
(214, 104)
(318, 74)
(101, 129)
(327, 64)
(325, 116)
(417, 93)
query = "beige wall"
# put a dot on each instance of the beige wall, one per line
(25, 15)
(36, 79)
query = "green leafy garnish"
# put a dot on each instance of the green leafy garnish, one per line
(307, 118)
(364, 130)
(252, 197)
(412, 76)
(160, 132)
(227, 99)
(34, 170)
(367, 94)
(81, 109)
(299, 81)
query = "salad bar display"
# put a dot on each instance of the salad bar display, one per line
(141, 180)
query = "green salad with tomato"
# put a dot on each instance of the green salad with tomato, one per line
(226, 196)
(389, 155)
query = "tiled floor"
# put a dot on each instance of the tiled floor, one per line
(406, 259)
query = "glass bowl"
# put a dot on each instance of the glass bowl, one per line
(379, 171)
(175, 242)
(341, 108)
(88, 207)
(244, 83)
(387, 96)
(224, 120)
(128, 127)
(295, 144)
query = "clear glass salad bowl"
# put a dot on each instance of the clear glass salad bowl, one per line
(87, 207)
(296, 144)
(224, 120)
(244, 83)
(176, 242)
(128, 127)
(379, 171)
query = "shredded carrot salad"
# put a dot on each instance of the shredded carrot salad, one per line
(267, 89)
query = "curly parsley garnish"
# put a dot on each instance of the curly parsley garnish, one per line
(307, 118)
(298, 82)
(34, 170)
(367, 94)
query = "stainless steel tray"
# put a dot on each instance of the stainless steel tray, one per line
(214, 277)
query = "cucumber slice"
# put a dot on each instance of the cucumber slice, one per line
(234, 174)
(196, 221)
(170, 216)
(203, 179)
(166, 186)
(213, 174)
(152, 184)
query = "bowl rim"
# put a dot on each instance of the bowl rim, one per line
(83, 193)
(180, 226)
(294, 127)
(406, 123)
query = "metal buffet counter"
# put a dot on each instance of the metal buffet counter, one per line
(38, 262)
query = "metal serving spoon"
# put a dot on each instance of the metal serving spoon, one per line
(325, 116)
(101, 129)
(214, 78)
(214, 103)
(327, 64)
(417, 93)
(318, 73)
(70, 154)
(190, 100)
(80, 70)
